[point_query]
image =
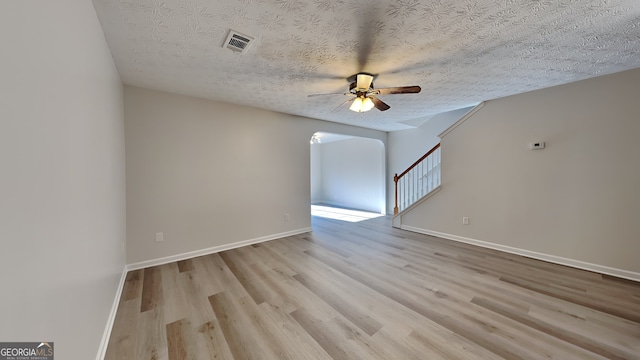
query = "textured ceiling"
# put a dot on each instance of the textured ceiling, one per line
(460, 52)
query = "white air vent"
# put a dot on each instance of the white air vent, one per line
(238, 42)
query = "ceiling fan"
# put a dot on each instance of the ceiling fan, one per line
(365, 94)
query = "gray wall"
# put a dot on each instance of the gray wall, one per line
(576, 201)
(210, 175)
(315, 161)
(62, 188)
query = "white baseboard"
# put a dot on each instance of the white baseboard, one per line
(102, 349)
(625, 274)
(212, 250)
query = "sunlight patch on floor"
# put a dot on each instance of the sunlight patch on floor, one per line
(342, 214)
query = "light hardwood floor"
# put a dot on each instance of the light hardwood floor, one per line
(368, 291)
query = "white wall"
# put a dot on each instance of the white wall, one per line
(209, 174)
(62, 183)
(353, 174)
(577, 200)
(316, 173)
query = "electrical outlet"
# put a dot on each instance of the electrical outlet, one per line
(465, 220)
(286, 217)
(536, 145)
(159, 237)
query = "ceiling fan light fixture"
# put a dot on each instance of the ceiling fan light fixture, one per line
(361, 104)
(367, 104)
(365, 94)
(356, 105)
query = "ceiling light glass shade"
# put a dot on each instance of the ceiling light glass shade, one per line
(356, 105)
(367, 104)
(361, 104)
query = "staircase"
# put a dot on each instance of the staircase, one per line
(417, 181)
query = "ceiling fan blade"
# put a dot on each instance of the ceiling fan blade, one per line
(379, 104)
(343, 104)
(398, 90)
(342, 93)
(363, 81)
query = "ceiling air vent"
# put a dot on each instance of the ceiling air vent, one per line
(238, 42)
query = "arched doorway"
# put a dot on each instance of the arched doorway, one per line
(348, 172)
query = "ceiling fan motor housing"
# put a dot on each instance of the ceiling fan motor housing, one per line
(363, 83)
(353, 88)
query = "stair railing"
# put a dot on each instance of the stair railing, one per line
(418, 180)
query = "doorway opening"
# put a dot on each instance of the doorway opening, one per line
(348, 175)
(342, 214)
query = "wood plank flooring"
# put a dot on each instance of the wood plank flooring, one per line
(368, 291)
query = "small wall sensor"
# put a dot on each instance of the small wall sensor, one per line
(536, 145)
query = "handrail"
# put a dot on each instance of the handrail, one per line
(397, 177)
(419, 161)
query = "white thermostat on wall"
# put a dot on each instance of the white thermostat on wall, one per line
(536, 145)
